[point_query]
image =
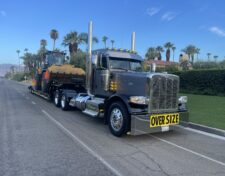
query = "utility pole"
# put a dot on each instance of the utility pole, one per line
(18, 52)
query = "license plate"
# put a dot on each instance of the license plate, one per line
(164, 119)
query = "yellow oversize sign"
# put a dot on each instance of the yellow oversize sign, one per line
(164, 119)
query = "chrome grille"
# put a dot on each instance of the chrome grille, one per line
(163, 93)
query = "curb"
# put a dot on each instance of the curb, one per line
(206, 129)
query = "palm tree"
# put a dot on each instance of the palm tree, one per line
(173, 49)
(197, 52)
(168, 45)
(190, 50)
(43, 43)
(112, 41)
(73, 40)
(25, 50)
(18, 52)
(54, 36)
(42, 50)
(104, 39)
(215, 57)
(159, 50)
(151, 53)
(208, 55)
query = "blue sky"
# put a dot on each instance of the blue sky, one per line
(200, 22)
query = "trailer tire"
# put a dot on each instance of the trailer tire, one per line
(118, 119)
(64, 103)
(57, 99)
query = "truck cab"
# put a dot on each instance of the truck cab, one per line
(107, 65)
(130, 99)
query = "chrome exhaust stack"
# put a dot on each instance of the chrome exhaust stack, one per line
(133, 42)
(89, 60)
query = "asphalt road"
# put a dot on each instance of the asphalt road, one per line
(36, 138)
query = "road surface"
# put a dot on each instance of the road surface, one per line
(37, 138)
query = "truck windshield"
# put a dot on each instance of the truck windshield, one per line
(125, 64)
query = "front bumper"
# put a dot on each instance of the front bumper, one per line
(140, 124)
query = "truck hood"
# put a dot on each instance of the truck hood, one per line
(131, 83)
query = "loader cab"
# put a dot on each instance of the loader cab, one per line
(54, 58)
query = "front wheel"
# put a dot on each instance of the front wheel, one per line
(118, 119)
(57, 99)
(64, 103)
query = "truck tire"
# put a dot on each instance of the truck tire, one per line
(64, 103)
(118, 119)
(57, 99)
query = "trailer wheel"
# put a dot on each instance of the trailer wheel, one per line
(118, 119)
(57, 99)
(64, 103)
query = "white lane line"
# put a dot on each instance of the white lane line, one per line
(204, 133)
(33, 102)
(188, 150)
(75, 138)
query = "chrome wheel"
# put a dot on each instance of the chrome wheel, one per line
(63, 101)
(56, 99)
(116, 119)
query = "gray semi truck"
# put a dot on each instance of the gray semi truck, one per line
(116, 88)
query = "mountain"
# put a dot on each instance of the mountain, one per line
(4, 68)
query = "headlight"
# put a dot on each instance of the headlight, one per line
(183, 99)
(139, 100)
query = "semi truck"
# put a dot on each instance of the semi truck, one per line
(113, 87)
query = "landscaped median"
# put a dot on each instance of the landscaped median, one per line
(207, 110)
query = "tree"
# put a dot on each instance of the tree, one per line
(197, 52)
(215, 57)
(208, 55)
(104, 39)
(12, 69)
(159, 50)
(43, 43)
(25, 50)
(190, 50)
(41, 51)
(151, 53)
(78, 60)
(173, 49)
(54, 36)
(29, 60)
(112, 42)
(18, 52)
(168, 45)
(73, 40)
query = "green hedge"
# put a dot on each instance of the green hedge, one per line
(204, 82)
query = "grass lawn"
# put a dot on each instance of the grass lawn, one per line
(207, 110)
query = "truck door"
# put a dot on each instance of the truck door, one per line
(101, 77)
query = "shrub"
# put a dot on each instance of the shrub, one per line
(205, 82)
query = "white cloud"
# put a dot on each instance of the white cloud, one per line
(217, 31)
(152, 11)
(3, 13)
(168, 16)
